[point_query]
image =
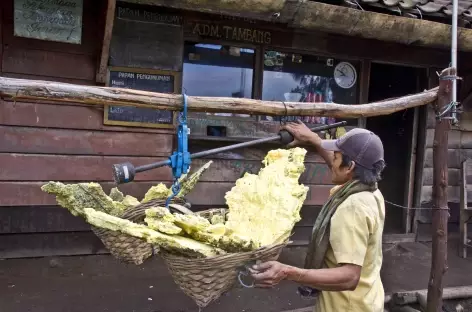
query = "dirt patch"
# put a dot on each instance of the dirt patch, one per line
(103, 284)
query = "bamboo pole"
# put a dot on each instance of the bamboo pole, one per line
(440, 181)
(24, 89)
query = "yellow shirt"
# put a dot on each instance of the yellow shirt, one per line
(356, 238)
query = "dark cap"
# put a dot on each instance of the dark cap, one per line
(363, 146)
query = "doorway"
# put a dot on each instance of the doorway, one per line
(396, 132)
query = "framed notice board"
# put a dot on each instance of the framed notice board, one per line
(146, 80)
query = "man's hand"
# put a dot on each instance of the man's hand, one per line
(304, 136)
(301, 134)
(269, 274)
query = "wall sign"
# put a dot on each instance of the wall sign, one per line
(146, 80)
(146, 37)
(126, 11)
(53, 20)
(224, 29)
(232, 33)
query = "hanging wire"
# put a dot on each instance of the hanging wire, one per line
(416, 208)
(452, 106)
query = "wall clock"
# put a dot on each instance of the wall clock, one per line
(345, 75)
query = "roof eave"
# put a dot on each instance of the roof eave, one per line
(316, 16)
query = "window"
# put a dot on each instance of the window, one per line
(304, 78)
(219, 71)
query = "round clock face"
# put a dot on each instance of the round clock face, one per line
(345, 75)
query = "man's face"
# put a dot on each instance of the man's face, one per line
(340, 175)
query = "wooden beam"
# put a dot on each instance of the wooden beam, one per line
(62, 92)
(110, 18)
(312, 15)
(440, 181)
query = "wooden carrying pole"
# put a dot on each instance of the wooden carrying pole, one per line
(440, 208)
(23, 89)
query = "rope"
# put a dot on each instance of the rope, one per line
(449, 106)
(452, 105)
(283, 119)
(450, 77)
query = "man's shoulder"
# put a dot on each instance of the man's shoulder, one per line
(363, 202)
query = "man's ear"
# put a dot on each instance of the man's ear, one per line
(351, 167)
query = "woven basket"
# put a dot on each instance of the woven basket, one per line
(206, 279)
(127, 248)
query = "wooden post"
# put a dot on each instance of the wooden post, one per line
(110, 18)
(440, 181)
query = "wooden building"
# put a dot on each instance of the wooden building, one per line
(347, 52)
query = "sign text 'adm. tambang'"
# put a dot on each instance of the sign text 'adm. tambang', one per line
(232, 33)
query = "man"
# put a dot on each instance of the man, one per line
(345, 253)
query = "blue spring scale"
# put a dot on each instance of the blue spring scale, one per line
(180, 160)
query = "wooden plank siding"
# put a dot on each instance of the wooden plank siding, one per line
(53, 59)
(459, 149)
(40, 142)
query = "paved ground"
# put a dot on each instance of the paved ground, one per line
(100, 284)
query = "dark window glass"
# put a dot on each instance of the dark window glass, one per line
(217, 70)
(303, 78)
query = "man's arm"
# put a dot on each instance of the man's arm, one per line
(304, 136)
(349, 238)
(326, 155)
(342, 278)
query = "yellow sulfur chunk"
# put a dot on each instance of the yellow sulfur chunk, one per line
(172, 243)
(189, 183)
(217, 219)
(76, 197)
(191, 223)
(162, 226)
(130, 201)
(116, 194)
(159, 191)
(266, 206)
(216, 229)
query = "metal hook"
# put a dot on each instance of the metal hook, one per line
(175, 191)
(244, 273)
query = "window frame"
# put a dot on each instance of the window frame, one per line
(255, 91)
(358, 66)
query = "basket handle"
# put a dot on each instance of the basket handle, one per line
(244, 273)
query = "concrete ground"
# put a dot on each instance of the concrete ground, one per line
(101, 283)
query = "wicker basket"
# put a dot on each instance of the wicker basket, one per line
(127, 248)
(206, 279)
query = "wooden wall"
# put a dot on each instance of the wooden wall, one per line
(459, 149)
(40, 142)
